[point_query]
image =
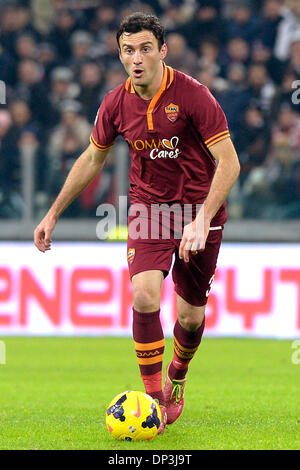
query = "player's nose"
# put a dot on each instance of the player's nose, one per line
(137, 58)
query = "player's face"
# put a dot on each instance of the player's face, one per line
(142, 59)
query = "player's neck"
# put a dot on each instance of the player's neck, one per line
(147, 92)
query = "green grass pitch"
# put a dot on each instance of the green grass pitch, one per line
(240, 394)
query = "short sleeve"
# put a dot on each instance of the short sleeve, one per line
(208, 116)
(104, 131)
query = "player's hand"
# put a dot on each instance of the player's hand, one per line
(194, 237)
(42, 233)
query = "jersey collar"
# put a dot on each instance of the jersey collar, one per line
(168, 78)
(168, 75)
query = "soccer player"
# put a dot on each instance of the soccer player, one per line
(181, 153)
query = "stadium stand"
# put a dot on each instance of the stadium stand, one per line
(59, 58)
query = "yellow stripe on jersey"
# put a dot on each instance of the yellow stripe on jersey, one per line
(215, 136)
(155, 99)
(128, 84)
(225, 136)
(167, 71)
(171, 76)
(98, 146)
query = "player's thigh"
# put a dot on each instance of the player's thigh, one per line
(190, 316)
(146, 288)
(149, 261)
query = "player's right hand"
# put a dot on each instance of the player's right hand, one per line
(42, 233)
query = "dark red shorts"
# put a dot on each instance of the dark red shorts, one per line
(193, 279)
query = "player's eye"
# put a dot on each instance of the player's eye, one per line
(146, 49)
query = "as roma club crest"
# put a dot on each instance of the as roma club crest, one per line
(172, 111)
(131, 255)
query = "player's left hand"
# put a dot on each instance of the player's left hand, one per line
(194, 237)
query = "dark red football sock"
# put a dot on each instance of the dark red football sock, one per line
(186, 344)
(149, 346)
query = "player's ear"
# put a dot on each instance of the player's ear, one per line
(163, 51)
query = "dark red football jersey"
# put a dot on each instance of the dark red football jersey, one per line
(168, 137)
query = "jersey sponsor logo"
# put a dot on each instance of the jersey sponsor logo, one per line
(131, 255)
(172, 111)
(171, 146)
(161, 148)
(140, 144)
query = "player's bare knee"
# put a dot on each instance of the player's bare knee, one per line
(190, 324)
(145, 299)
(191, 320)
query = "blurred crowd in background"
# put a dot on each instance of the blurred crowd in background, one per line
(58, 58)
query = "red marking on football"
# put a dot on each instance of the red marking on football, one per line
(110, 428)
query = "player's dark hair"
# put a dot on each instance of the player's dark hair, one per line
(137, 22)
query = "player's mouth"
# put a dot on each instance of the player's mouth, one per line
(137, 73)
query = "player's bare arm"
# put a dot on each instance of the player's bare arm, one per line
(227, 172)
(84, 170)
